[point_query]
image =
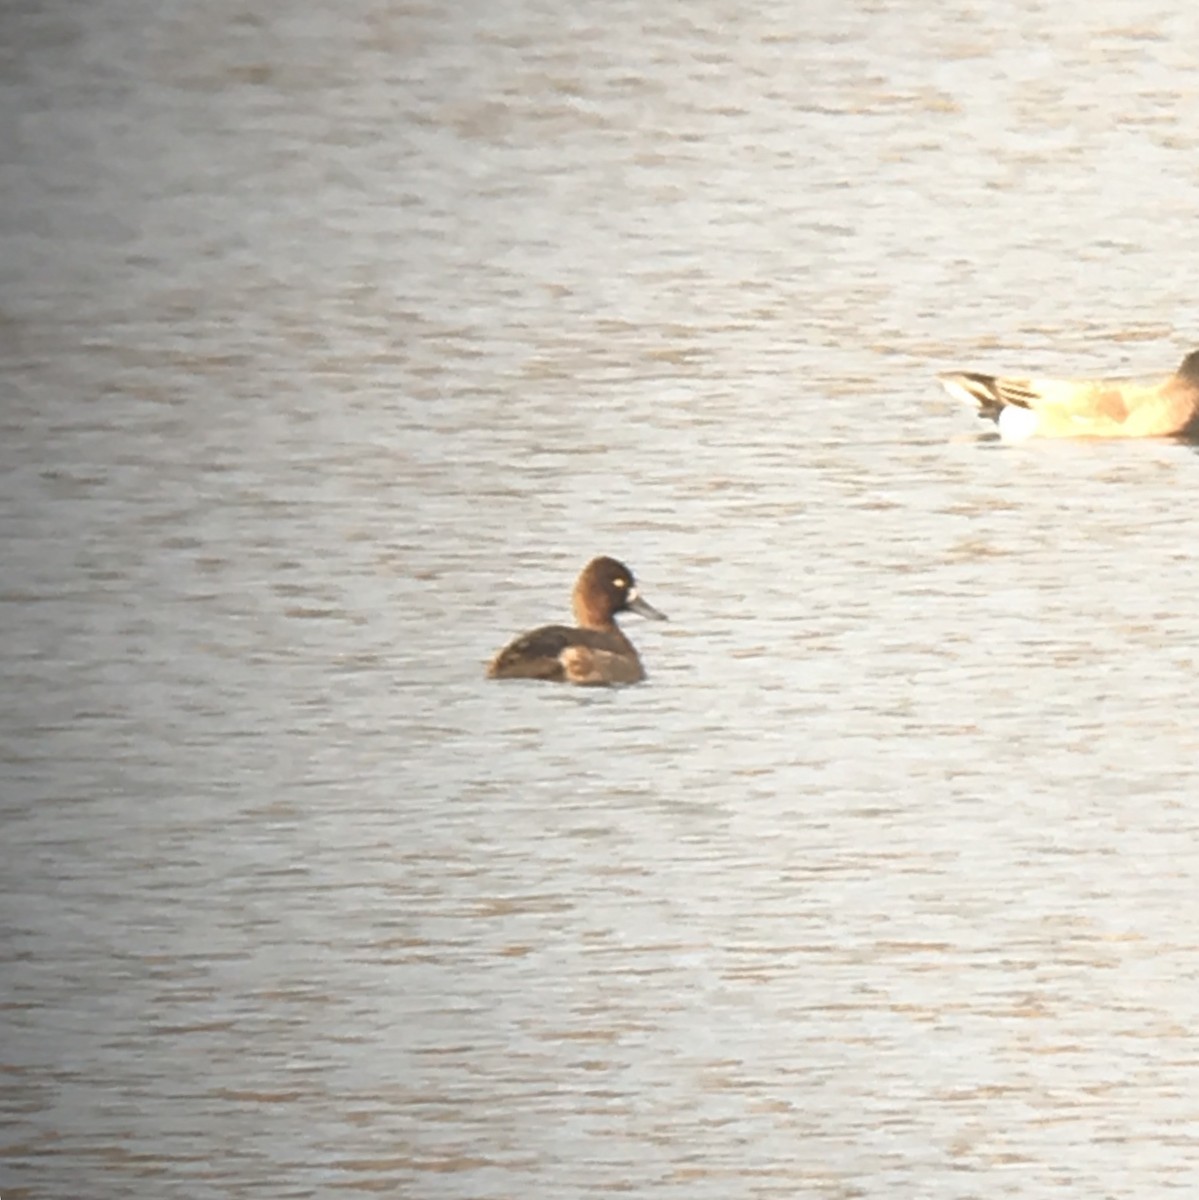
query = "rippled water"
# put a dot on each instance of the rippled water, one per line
(335, 339)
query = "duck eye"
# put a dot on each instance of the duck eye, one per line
(620, 583)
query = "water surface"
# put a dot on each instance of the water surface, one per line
(334, 342)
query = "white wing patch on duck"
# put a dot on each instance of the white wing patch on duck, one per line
(1016, 423)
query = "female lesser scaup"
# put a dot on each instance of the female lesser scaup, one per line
(594, 653)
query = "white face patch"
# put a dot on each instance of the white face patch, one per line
(632, 594)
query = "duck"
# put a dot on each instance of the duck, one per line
(595, 652)
(1084, 408)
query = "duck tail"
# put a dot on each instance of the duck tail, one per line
(979, 391)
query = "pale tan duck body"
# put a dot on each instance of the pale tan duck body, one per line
(595, 652)
(1084, 408)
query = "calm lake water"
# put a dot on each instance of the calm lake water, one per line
(335, 339)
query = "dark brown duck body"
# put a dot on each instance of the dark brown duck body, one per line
(595, 652)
